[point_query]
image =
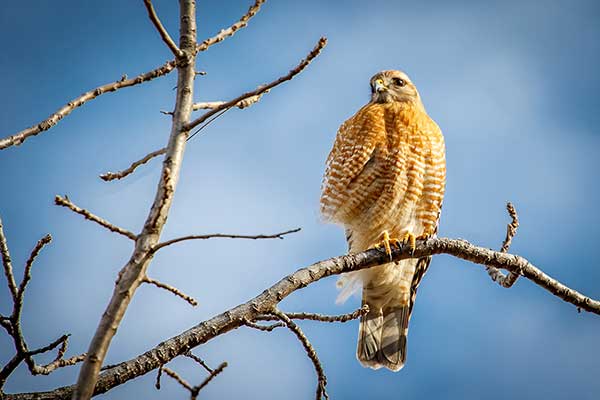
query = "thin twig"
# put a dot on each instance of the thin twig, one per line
(263, 88)
(265, 328)
(171, 289)
(65, 202)
(279, 235)
(7, 264)
(161, 29)
(158, 376)
(225, 33)
(20, 137)
(12, 324)
(109, 176)
(18, 304)
(199, 361)
(310, 351)
(511, 230)
(178, 378)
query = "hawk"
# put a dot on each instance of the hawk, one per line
(384, 183)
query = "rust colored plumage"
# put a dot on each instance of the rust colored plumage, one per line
(386, 172)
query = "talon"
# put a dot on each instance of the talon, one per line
(386, 243)
(410, 239)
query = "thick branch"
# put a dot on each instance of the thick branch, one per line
(161, 29)
(134, 272)
(65, 202)
(223, 235)
(264, 302)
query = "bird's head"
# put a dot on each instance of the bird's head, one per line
(393, 86)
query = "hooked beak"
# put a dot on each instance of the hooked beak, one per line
(379, 86)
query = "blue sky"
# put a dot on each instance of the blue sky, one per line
(513, 85)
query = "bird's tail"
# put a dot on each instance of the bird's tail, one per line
(382, 338)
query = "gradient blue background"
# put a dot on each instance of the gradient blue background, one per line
(514, 86)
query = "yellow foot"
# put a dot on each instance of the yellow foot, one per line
(410, 239)
(387, 243)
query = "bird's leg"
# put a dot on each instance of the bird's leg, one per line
(386, 243)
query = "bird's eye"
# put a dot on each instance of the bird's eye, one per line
(399, 82)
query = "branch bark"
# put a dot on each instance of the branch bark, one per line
(265, 302)
(134, 272)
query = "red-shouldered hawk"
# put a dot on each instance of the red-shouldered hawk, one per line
(384, 182)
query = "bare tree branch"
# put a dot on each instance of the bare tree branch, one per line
(59, 360)
(255, 94)
(213, 374)
(211, 105)
(264, 328)
(511, 230)
(109, 176)
(263, 88)
(269, 298)
(194, 390)
(199, 361)
(65, 110)
(310, 351)
(133, 273)
(65, 202)
(7, 263)
(171, 289)
(225, 33)
(175, 376)
(161, 29)
(320, 317)
(19, 137)
(12, 324)
(279, 235)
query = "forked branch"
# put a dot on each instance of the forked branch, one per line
(222, 106)
(12, 323)
(511, 230)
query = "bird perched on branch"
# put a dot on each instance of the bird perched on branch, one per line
(384, 182)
